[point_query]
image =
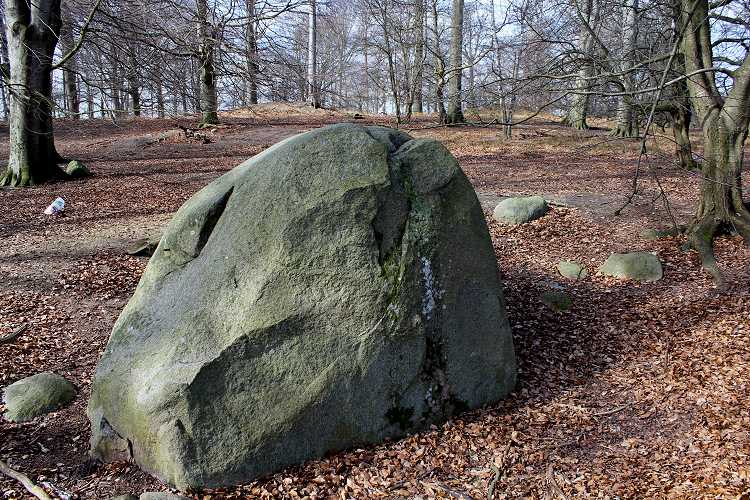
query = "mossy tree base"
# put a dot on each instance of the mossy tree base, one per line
(711, 223)
(209, 119)
(576, 123)
(625, 131)
(23, 177)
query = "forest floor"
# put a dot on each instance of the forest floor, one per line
(637, 391)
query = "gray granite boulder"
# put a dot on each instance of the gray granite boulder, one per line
(338, 289)
(520, 210)
(639, 266)
(37, 395)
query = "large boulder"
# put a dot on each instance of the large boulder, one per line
(520, 210)
(639, 266)
(37, 395)
(335, 290)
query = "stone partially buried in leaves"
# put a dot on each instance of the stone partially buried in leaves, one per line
(37, 395)
(338, 289)
(639, 266)
(77, 169)
(520, 210)
(572, 270)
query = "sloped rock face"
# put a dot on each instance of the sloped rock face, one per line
(335, 290)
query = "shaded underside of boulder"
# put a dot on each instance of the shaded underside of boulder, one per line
(521, 210)
(335, 290)
(37, 395)
(639, 266)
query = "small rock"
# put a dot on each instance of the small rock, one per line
(657, 234)
(37, 395)
(520, 210)
(161, 495)
(557, 300)
(639, 266)
(572, 270)
(76, 169)
(124, 497)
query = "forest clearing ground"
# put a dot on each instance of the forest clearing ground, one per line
(638, 391)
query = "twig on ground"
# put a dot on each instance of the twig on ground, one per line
(27, 483)
(615, 410)
(491, 488)
(14, 334)
(555, 489)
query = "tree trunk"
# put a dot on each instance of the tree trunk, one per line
(680, 117)
(439, 67)
(418, 56)
(4, 64)
(455, 113)
(70, 74)
(251, 54)
(627, 125)
(721, 208)
(208, 97)
(89, 102)
(579, 107)
(312, 57)
(32, 33)
(134, 83)
(724, 120)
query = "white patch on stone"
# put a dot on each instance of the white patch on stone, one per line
(430, 293)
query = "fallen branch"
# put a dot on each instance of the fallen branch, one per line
(14, 335)
(25, 481)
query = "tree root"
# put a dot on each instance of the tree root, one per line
(577, 124)
(701, 238)
(27, 483)
(624, 132)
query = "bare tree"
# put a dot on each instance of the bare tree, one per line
(32, 30)
(455, 102)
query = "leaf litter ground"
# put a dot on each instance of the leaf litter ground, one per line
(637, 391)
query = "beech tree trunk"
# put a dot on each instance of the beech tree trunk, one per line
(32, 30)
(70, 75)
(439, 67)
(680, 117)
(724, 120)
(579, 107)
(627, 125)
(251, 54)
(208, 97)
(455, 112)
(418, 56)
(312, 57)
